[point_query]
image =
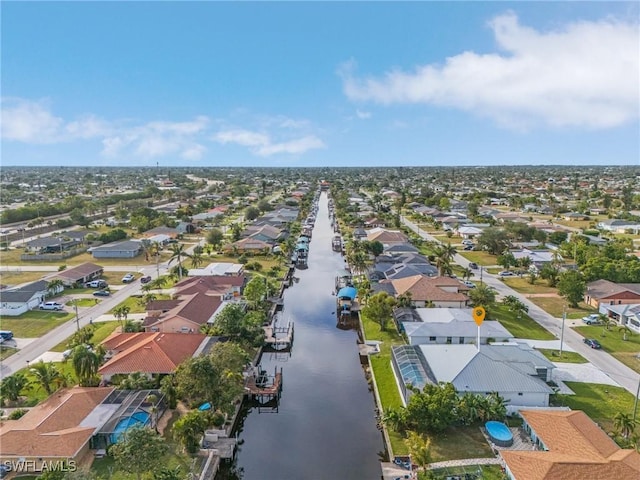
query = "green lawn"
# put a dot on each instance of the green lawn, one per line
(522, 285)
(612, 342)
(102, 331)
(459, 442)
(554, 306)
(488, 472)
(481, 258)
(34, 393)
(6, 352)
(34, 323)
(600, 402)
(567, 357)
(16, 277)
(524, 327)
(135, 305)
(83, 302)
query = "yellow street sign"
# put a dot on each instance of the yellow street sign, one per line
(478, 315)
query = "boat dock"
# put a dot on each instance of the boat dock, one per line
(262, 387)
(278, 338)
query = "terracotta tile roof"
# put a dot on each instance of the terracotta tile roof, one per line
(577, 449)
(208, 282)
(52, 428)
(196, 308)
(149, 352)
(423, 288)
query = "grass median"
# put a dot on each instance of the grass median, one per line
(613, 342)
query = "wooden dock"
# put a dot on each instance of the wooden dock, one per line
(278, 338)
(262, 387)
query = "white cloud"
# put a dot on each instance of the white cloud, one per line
(362, 115)
(27, 121)
(262, 144)
(585, 74)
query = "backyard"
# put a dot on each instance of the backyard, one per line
(612, 341)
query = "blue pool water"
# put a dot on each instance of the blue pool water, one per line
(499, 433)
(138, 418)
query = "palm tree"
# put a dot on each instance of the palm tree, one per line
(444, 255)
(85, 364)
(420, 449)
(12, 386)
(45, 375)
(121, 311)
(155, 250)
(196, 259)
(467, 273)
(178, 253)
(624, 423)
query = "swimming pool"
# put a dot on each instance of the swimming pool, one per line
(138, 418)
(499, 433)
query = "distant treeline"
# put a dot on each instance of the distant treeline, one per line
(44, 209)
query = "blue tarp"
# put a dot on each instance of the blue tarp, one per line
(302, 246)
(205, 406)
(347, 292)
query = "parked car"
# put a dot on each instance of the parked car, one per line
(6, 334)
(51, 306)
(470, 246)
(101, 293)
(469, 284)
(593, 319)
(593, 343)
(146, 279)
(506, 273)
(467, 242)
(96, 284)
(67, 353)
(473, 265)
(128, 278)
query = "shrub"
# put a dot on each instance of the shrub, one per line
(62, 267)
(17, 413)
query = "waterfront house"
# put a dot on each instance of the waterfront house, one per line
(58, 429)
(569, 446)
(185, 314)
(425, 326)
(149, 353)
(438, 291)
(515, 371)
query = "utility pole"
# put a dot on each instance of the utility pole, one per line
(564, 317)
(75, 306)
(635, 402)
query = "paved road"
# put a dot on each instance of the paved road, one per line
(613, 368)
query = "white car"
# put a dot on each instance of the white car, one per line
(506, 273)
(51, 306)
(593, 319)
(469, 284)
(128, 278)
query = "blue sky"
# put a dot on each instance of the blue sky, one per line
(320, 83)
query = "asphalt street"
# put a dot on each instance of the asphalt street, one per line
(614, 369)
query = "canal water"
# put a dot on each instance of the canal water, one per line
(325, 426)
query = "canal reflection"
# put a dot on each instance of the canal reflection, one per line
(325, 426)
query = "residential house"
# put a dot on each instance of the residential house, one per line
(186, 314)
(569, 446)
(400, 266)
(17, 301)
(124, 249)
(515, 371)
(185, 227)
(248, 245)
(574, 216)
(626, 314)
(58, 429)
(265, 233)
(149, 353)
(225, 286)
(224, 269)
(604, 292)
(386, 237)
(615, 225)
(438, 291)
(80, 274)
(45, 245)
(538, 258)
(359, 234)
(425, 326)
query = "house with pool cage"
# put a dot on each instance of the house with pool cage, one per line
(75, 423)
